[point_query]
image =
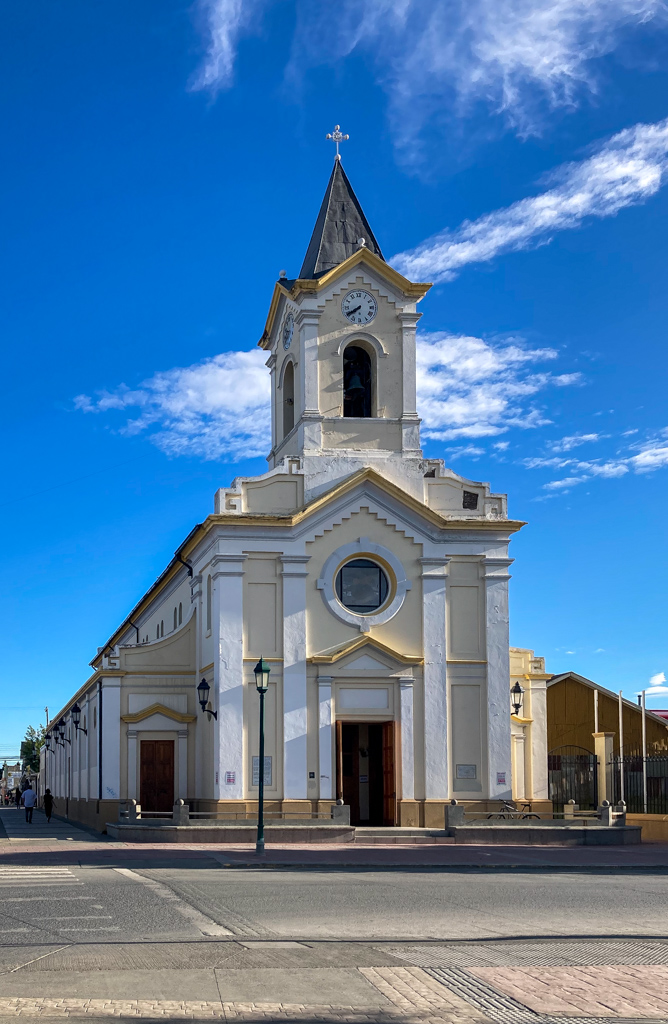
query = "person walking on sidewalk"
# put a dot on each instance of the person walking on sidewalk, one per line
(48, 804)
(17, 797)
(29, 799)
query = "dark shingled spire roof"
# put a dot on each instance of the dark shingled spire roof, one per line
(340, 223)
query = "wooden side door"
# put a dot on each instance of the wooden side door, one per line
(389, 783)
(156, 785)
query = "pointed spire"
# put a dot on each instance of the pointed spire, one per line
(340, 226)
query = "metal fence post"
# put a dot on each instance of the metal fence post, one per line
(644, 756)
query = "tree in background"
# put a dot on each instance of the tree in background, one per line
(30, 748)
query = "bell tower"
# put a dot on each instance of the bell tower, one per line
(341, 344)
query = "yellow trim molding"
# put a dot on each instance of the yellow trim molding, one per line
(409, 288)
(158, 709)
(358, 644)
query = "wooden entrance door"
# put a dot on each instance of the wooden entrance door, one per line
(365, 763)
(156, 788)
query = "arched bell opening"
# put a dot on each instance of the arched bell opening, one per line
(358, 383)
(288, 398)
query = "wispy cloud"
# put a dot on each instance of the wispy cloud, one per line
(435, 60)
(628, 169)
(224, 22)
(219, 409)
(565, 444)
(216, 409)
(640, 457)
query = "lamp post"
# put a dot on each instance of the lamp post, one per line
(517, 694)
(262, 683)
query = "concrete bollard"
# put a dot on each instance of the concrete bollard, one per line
(454, 814)
(569, 809)
(620, 814)
(340, 813)
(180, 813)
(134, 810)
(605, 813)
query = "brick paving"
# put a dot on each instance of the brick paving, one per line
(413, 998)
(594, 991)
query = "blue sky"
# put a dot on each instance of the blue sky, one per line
(162, 163)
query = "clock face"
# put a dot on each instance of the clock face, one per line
(359, 307)
(288, 330)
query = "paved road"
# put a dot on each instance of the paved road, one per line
(144, 933)
(75, 904)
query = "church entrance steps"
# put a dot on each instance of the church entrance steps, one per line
(388, 836)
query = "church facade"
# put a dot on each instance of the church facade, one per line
(372, 580)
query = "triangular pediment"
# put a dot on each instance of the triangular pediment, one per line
(158, 709)
(365, 663)
(367, 648)
(380, 269)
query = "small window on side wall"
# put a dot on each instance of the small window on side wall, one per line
(288, 398)
(208, 604)
(180, 613)
(470, 501)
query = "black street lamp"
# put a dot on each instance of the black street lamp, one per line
(262, 671)
(76, 718)
(203, 691)
(61, 730)
(517, 694)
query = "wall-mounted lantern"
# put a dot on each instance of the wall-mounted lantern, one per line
(203, 691)
(517, 693)
(76, 718)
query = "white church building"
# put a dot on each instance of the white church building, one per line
(372, 580)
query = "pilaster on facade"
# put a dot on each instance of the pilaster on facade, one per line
(111, 748)
(498, 675)
(327, 790)
(434, 581)
(307, 321)
(228, 782)
(295, 718)
(406, 684)
(408, 322)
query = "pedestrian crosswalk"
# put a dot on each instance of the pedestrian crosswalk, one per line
(20, 877)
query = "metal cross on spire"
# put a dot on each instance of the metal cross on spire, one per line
(337, 136)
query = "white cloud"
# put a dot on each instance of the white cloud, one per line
(468, 450)
(653, 455)
(219, 408)
(501, 446)
(225, 21)
(656, 680)
(628, 169)
(519, 58)
(562, 485)
(572, 441)
(642, 457)
(472, 388)
(215, 409)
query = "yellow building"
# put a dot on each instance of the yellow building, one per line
(372, 580)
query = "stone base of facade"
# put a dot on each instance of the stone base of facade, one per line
(410, 813)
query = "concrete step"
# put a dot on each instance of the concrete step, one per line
(402, 840)
(396, 830)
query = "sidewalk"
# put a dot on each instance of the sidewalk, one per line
(15, 828)
(364, 983)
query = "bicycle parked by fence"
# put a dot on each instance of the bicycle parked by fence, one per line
(509, 810)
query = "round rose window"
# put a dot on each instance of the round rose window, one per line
(361, 586)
